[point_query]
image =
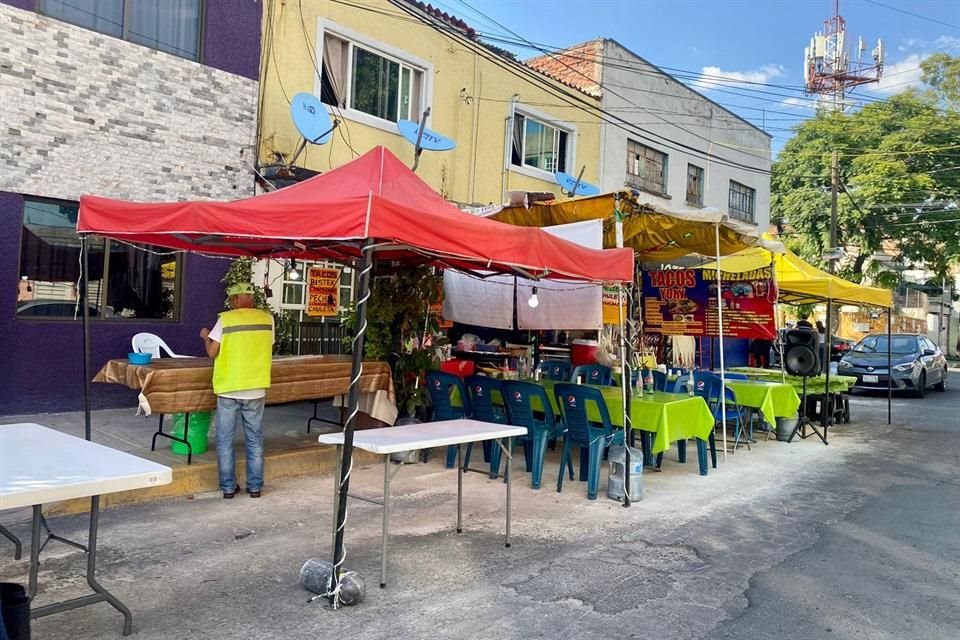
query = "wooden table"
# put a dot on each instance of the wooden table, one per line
(39, 465)
(185, 385)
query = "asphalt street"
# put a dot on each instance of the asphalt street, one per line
(891, 567)
(858, 539)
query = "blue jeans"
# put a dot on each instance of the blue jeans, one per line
(251, 413)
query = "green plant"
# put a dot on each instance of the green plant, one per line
(398, 320)
(284, 321)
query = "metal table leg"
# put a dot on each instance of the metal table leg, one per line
(386, 521)
(34, 550)
(336, 495)
(460, 472)
(508, 476)
(100, 595)
(17, 547)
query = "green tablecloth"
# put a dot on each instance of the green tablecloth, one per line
(671, 416)
(773, 399)
(815, 384)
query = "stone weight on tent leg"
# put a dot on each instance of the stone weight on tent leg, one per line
(315, 576)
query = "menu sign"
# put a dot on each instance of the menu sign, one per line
(323, 291)
(612, 297)
(683, 302)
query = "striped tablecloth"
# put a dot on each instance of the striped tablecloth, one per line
(184, 385)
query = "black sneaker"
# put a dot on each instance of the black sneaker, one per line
(228, 495)
(254, 494)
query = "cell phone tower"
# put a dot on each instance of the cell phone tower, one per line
(828, 70)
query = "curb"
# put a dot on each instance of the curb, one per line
(191, 480)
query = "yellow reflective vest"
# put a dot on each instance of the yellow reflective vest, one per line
(246, 350)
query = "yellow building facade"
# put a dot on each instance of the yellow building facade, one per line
(373, 62)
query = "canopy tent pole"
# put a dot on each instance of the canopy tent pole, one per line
(825, 415)
(889, 365)
(625, 377)
(84, 297)
(723, 374)
(346, 461)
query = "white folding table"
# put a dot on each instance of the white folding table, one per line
(39, 465)
(414, 437)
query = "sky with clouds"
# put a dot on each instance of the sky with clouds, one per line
(722, 46)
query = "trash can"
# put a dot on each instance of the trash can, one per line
(14, 611)
(785, 427)
(617, 459)
(196, 434)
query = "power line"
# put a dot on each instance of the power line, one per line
(911, 13)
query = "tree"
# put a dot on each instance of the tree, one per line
(899, 174)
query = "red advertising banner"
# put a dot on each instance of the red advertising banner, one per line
(683, 302)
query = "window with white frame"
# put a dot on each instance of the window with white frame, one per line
(742, 202)
(359, 77)
(538, 145)
(646, 168)
(694, 185)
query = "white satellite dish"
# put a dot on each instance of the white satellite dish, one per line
(312, 121)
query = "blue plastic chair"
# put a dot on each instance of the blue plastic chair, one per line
(440, 386)
(591, 438)
(733, 411)
(484, 393)
(558, 370)
(593, 374)
(517, 399)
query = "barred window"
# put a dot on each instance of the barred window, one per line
(742, 202)
(646, 168)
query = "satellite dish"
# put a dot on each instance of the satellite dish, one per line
(423, 138)
(575, 186)
(430, 140)
(311, 118)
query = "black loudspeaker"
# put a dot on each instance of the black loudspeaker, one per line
(801, 353)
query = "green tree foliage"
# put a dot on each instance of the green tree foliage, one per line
(899, 174)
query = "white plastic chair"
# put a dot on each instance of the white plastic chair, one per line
(152, 344)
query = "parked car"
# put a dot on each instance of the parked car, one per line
(42, 308)
(918, 363)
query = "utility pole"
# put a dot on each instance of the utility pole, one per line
(834, 183)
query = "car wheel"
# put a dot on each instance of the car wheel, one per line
(942, 385)
(921, 389)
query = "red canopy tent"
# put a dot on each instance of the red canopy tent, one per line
(329, 217)
(374, 204)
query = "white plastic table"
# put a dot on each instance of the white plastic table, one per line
(414, 437)
(39, 465)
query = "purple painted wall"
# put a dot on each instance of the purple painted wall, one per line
(227, 41)
(42, 360)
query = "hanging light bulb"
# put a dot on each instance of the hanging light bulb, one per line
(533, 301)
(292, 273)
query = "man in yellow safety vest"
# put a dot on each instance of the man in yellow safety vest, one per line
(241, 345)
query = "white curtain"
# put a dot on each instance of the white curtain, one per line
(479, 302)
(564, 305)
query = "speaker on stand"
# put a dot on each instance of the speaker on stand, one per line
(801, 357)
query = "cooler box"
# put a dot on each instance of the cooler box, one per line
(458, 367)
(583, 352)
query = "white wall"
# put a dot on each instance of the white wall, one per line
(652, 100)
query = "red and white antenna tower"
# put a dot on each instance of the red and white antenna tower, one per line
(828, 70)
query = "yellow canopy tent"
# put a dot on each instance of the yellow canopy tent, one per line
(801, 283)
(655, 235)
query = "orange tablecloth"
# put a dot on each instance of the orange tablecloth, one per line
(184, 385)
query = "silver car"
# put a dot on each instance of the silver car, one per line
(918, 364)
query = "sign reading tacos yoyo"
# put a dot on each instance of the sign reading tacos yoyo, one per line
(683, 302)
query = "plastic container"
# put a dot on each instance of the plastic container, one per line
(617, 459)
(196, 435)
(785, 427)
(139, 358)
(583, 352)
